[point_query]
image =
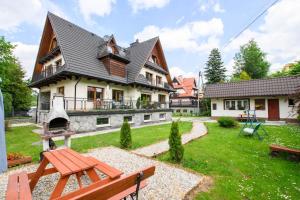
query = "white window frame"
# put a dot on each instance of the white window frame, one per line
(148, 120)
(236, 103)
(164, 118)
(103, 125)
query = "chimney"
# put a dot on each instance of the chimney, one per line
(134, 43)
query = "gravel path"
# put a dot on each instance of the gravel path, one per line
(168, 182)
(197, 131)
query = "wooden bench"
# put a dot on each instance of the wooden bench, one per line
(275, 150)
(115, 190)
(18, 187)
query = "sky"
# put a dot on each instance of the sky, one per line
(188, 29)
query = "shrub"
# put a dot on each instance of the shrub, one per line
(7, 125)
(226, 122)
(125, 136)
(138, 103)
(176, 148)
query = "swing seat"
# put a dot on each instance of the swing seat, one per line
(248, 131)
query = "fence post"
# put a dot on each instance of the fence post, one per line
(3, 159)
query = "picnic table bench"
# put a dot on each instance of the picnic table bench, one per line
(67, 163)
(275, 150)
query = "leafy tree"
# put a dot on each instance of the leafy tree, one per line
(176, 148)
(215, 70)
(125, 136)
(294, 69)
(252, 60)
(244, 76)
(13, 83)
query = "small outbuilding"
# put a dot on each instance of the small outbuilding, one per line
(272, 98)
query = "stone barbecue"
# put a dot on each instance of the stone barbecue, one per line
(57, 124)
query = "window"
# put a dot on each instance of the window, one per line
(154, 58)
(61, 90)
(147, 118)
(94, 93)
(260, 104)
(103, 121)
(238, 104)
(58, 63)
(149, 77)
(162, 116)
(146, 97)
(178, 111)
(118, 95)
(291, 102)
(161, 98)
(128, 118)
(110, 49)
(184, 110)
(158, 80)
(214, 105)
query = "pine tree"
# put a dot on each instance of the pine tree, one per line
(176, 148)
(215, 70)
(125, 136)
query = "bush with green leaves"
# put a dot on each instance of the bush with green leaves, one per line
(176, 147)
(227, 122)
(125, 136)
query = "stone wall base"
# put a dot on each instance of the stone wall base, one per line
(287, 120)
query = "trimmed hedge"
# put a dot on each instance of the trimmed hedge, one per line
(227, 122)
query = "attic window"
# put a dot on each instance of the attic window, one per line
(53, 43)
(153, 59)
(110, 49)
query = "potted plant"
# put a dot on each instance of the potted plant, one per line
(14, 159)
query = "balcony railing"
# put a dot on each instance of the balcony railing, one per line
(156, 83)
(184, 103)
(45, 73)
(83, 104)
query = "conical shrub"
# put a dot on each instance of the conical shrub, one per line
(176, 147)
(125, 136)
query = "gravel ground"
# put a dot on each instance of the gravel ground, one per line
(168, 182)
(197, 131)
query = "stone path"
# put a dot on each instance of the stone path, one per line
(168, 182)
(197, 131)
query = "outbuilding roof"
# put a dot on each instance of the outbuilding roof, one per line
(281, 86)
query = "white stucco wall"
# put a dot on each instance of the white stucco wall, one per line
(284, 110)
(154, 74)
(53, 60)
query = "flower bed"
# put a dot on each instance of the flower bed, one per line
(14, 159)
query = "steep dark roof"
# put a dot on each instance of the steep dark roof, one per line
(81, 50)
(260, 87)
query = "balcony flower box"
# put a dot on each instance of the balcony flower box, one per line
(14, 159)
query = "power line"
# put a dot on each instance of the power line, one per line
(252, 22)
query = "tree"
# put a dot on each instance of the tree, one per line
(252, 60)
(293, 69)
(215, 70)
(13, 85)
(125, 136)
(176, 148)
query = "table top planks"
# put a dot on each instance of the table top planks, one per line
(67, 161)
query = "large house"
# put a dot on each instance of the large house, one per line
(271, 98)
(102, 83)
(184, 99)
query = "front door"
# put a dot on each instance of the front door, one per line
(273, 109)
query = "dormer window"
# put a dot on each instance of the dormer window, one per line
(110, 49)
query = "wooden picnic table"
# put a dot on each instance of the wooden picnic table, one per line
(68, 162)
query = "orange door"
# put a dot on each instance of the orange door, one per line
(273, 109)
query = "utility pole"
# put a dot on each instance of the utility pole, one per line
(3, 159)
(198, 102)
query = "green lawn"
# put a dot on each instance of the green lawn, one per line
(241, 167)
(21, 139)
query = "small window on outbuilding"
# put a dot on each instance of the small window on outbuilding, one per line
(103, 121)
(260, 104)
(147, 117)
(291, 102)
(214, 105)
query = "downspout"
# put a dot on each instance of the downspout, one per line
(75, 92)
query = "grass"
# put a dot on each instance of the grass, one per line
(241, 167)
(22, 139)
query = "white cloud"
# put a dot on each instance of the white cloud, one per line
(196, 36)
(278, 36)
(205, 5)
(15, 13)
(137, 5)
(26, 53)
(177, 71)
(95, 7)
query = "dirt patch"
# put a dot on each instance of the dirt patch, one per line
(205, 185)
